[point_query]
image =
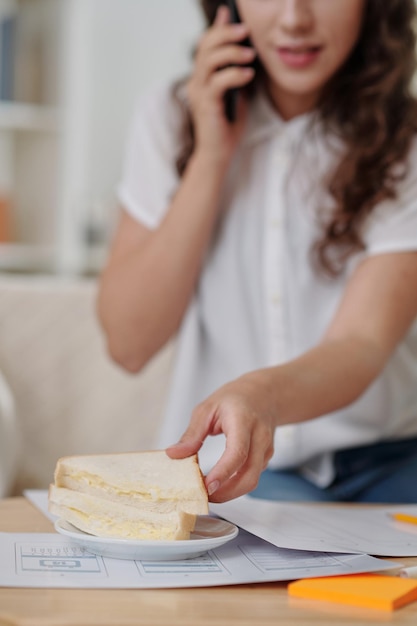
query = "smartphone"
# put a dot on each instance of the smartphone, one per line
(231, 96)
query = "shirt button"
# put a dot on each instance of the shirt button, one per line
(281, 158)
(276, 223)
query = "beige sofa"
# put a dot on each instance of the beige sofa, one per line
(69, 397)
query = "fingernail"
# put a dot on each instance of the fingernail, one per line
(213, 487)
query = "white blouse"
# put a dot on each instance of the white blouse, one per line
(259, 301)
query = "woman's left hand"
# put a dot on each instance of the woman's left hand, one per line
(243, 411)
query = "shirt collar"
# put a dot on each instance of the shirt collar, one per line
(264, 121)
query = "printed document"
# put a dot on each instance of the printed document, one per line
(367, 529)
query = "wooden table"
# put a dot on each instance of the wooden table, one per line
(242, 605)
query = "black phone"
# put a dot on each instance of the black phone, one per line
(230, 97)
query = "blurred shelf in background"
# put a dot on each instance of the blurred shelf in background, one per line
(28, 117)
(71, 72)
(21, 258)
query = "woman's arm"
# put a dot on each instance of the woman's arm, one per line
(151, 275)
(377, 310)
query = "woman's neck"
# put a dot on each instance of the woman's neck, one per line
(291, 105)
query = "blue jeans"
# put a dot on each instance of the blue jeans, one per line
(384, 472)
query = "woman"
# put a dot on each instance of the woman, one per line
(283, 247)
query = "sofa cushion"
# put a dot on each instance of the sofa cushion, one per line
(70, 398)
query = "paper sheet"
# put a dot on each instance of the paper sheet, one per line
(367, 529)
(39, 497)
(50, 560)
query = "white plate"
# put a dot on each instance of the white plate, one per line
(209, 533)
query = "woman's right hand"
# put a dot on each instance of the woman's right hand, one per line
(219, 65)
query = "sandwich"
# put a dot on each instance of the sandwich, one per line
(133, 495)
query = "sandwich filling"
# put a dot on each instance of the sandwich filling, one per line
(107, 519)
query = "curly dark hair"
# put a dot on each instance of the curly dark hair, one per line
(369, 103)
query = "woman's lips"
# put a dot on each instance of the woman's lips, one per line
(298, 57)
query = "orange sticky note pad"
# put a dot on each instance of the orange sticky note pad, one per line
(366, 590)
